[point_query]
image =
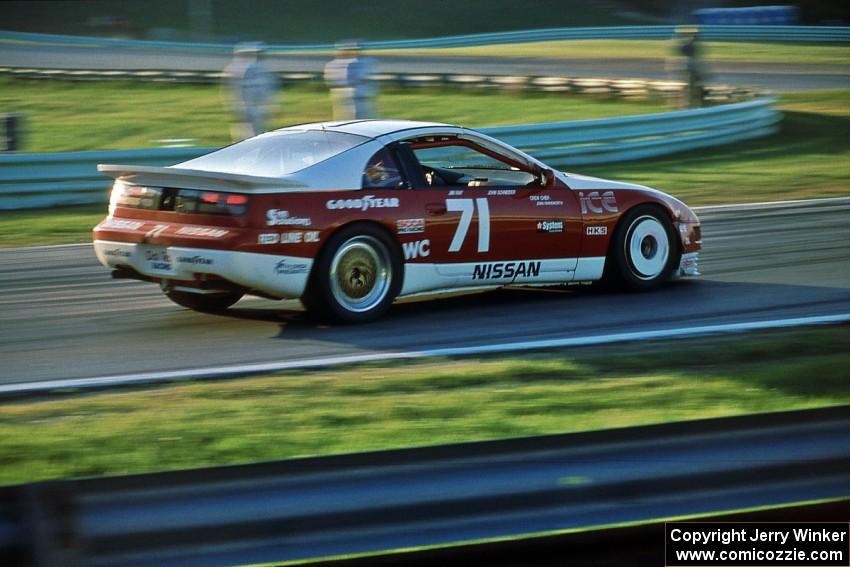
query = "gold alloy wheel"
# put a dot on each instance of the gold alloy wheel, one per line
(360, 274)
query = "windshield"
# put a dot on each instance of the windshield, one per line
(285, 152)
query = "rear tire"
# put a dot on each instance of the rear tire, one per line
(356, 276)
(645, 250)
(206, 303)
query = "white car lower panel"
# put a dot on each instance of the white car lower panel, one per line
(420, 278)
(283, 276)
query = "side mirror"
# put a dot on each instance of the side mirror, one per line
(547, 177)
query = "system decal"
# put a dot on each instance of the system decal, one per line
(550, 226)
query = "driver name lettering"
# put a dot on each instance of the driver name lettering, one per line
(364, 203)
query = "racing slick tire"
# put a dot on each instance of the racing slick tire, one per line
(356, 277)
(207, 303)
(644, 251)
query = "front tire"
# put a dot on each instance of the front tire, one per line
(645, 250)
(356, 277)
(206, 303)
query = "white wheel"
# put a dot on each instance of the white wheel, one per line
(648, 247)
(644, 251)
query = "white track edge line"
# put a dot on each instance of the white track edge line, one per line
(246, 369)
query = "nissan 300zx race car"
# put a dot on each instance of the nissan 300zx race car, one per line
(348, 216)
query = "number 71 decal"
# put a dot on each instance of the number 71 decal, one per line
(466, 208)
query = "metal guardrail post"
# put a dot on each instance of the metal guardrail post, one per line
(12, 131)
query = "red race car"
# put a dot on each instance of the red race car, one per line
(348, 216)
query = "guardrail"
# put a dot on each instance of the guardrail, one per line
(71, 178)
(827, 34)
(44, 180)
(626, 88)
(432, 496)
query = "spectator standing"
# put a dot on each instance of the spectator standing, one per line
(688, 66)
(348, 77)
(252, 87)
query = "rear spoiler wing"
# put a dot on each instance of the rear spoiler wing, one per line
(197, 179)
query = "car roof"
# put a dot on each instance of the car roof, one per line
(368, 128)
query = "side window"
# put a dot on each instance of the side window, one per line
(382, 171)
(456, 165)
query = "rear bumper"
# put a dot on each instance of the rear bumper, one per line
(198, 268)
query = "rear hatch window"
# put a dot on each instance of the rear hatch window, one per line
(277, 153)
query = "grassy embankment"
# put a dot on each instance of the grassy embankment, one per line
(409, 404)
(712, 51)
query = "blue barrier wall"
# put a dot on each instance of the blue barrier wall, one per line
(44, 180)
(786, 33)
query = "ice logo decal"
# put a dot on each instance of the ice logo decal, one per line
(595, 203)
(364, 203)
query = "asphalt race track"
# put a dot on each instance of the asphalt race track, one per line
(773, 76)
(62, 316)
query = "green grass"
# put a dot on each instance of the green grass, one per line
(69, 116)
(713, 51)
(38, 227)
(411, 404)
(809, 157)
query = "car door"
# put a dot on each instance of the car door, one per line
(490, 222)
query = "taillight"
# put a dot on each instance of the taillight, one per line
(134, 196)
(177, 200)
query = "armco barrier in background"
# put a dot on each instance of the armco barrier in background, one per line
(828, 34)
(45, 180)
